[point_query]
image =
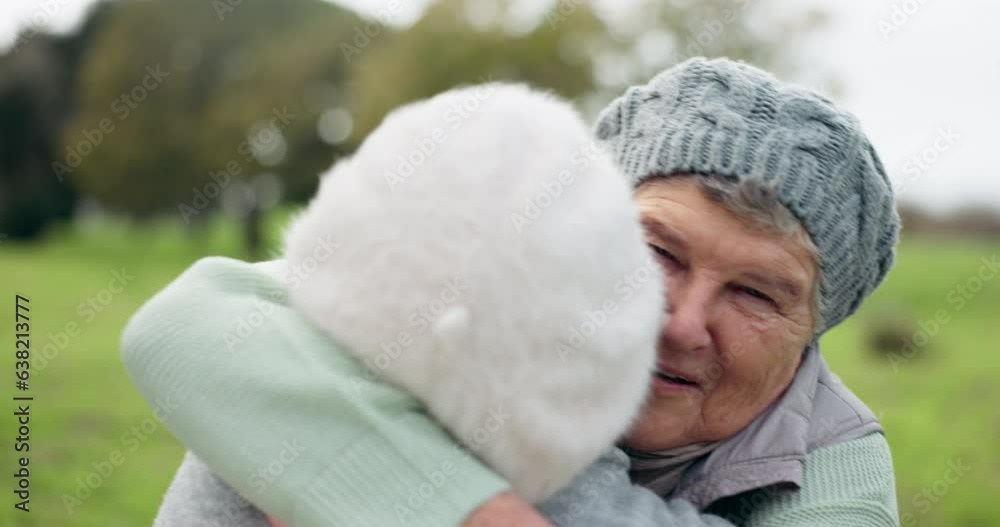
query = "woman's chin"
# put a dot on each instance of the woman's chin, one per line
(653, 433)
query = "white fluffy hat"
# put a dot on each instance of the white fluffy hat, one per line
(490, 261)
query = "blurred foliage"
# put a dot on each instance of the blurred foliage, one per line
(222, 74)
(442, 50)
(971, 221)
(36, 81)
(169, 96)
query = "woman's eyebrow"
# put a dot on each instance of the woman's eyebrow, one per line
(663, 231)
(787, 286)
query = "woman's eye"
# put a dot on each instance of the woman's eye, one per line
(661, 252)
(757, 294)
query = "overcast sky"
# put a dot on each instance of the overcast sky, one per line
(922, 75)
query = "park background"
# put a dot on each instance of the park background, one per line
(138, 136)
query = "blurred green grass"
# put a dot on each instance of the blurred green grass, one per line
(940, 408)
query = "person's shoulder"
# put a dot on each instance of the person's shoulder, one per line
(838, 415)
(864, 463)
(225, 272)
(208, 291)
(847, 483)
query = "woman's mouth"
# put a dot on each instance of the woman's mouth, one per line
(671, 381)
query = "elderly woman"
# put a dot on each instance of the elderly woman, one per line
(772, 219)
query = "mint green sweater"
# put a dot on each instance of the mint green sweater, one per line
(291, 421)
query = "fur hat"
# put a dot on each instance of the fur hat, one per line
(490, 262)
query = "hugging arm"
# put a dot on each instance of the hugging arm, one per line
(288, 420)
(284, 417)
(603, 496)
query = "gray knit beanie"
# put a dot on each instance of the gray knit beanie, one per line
(720, 118)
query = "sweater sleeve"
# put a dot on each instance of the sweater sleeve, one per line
(250, 387)
(603, 496)
(849, 484)
(197, 498)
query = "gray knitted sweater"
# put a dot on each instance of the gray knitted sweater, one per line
(600, 497)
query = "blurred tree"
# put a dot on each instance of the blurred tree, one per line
(449, 47)
(183, 98)
(36, 99)
(187, 104)
(649, 36)
(572, 48)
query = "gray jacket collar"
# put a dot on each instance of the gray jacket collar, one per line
(816, 410)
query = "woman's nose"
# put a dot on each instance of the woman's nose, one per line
(685, 327)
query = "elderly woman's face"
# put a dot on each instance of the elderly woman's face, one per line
(740, 315)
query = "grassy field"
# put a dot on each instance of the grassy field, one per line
(940, 406)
